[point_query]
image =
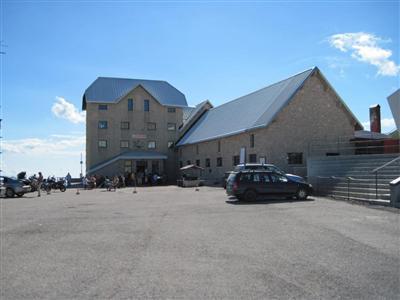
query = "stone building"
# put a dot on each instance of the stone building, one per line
(132, 125)
(276, 124)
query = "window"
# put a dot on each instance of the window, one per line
(198, 162)
(171, 126)
(125, 125)
(219, 161)
(197, 149)
(102, 144)
(124, 144)
(146, 105)
(188, 162)
(151, 126)
(170, 144)
(219, 146)
(103, 106)
(208, 163)
(151, 145)
(252, 158)
(278, 178)
(130, 104)
(171, 109)
(295, 158)
(251, 140)
(235, 160)
(103, 125)
(128, 166)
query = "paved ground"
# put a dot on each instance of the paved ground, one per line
(169, 242)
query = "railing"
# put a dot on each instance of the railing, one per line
(348, 145)
(376, 170)
(348, 180)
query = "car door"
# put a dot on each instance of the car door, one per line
(281, 185)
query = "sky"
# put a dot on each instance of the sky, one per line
(215, 50)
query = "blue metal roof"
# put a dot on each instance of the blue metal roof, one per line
(254, 110)
(111, 90)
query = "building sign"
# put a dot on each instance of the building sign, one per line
(139, 136)
(243, 155)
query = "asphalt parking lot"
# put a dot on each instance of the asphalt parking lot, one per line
(170, 242)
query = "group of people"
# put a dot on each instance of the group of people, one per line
(120, 180)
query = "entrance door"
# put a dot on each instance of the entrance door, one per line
(141, 167)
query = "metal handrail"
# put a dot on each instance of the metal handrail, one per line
(385, 165)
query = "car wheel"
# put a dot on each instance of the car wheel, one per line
(250, 195)
(302, 194)
(9, 193)
(20, 195)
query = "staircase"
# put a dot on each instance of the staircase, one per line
(350, 177)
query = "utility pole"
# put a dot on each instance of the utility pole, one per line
(1, 119)
(81, 162)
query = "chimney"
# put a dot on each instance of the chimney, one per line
(375, 118)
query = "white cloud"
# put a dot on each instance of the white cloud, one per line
(387, 125)
(365, 47)
(54, 145)
(66, 110)
(54, 155)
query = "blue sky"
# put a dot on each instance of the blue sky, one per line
(208, 50)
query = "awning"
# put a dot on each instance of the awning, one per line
(138, 155)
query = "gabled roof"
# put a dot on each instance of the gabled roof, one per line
(194, 114)
(111, 90)
(254, 110)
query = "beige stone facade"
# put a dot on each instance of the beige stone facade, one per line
(132, 130)
(314, 113)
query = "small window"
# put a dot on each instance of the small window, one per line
(151, 126)
(251, 140)
(235, 160)
(171, 109)
(124, 144)
(102, 144)
(170, 144)
(146, 105)
(151, 145)
(171, 126)
(252, 158)
(130, 104)
(295, 158)
(103, 124)
(198, 162)
(125, 125)
(219, 161)
(188, 162)
(219, 146)
(103, 106)
(208, 163)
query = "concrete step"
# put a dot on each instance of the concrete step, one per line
(360, 195)
(383, 202)
(368, 190)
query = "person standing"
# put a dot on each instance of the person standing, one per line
(68, 178)
(40, 181)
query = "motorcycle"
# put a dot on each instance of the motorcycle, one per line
(53, 183)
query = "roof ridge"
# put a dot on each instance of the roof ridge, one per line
(275, 83)
(124, 78)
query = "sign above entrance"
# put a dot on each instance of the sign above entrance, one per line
(139, 136)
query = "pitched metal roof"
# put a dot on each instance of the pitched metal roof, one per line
(254, 110)
(111, 90)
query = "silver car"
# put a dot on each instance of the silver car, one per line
(13, 186)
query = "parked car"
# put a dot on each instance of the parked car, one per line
(248, 184)
(267, 167)
(14, 186)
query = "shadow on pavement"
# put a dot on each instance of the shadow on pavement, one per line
(264, 200)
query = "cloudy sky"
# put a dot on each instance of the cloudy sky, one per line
(209, 50)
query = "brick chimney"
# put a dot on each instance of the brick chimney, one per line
(375, 118)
